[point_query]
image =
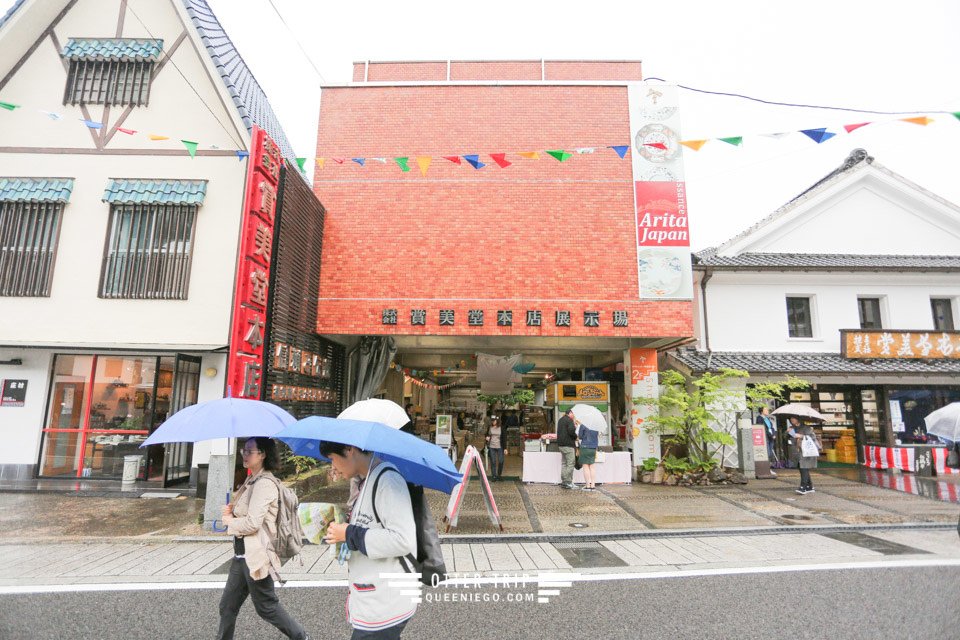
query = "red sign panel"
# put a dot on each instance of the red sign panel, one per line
(662, 214)
(245, 366)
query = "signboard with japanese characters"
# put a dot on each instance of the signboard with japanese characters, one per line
(14, 393)
(245, 368)
(393, 316)
(641, 373)
(663, 236)
(909, 345)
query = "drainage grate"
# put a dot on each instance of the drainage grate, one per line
(585, 555)
(885, 547)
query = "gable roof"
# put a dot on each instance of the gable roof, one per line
(248, 96)
(856, 162)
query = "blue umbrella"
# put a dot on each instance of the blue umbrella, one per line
(418, 461)
(222, 418)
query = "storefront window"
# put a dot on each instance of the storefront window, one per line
(870, 410)
(66, 417)
(908, 408)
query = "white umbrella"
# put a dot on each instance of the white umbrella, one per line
(945, 422)
(799, 410)
(590, 417)
(385, 412)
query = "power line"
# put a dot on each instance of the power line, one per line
(803, 106)
(297, 40)
(240, 145)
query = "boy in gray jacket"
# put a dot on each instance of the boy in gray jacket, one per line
(380, 535)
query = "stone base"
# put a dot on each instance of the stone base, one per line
(18, 471)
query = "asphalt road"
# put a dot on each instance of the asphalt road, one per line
(839, 604)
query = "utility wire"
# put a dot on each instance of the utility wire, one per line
(791, 104)
(297, 40)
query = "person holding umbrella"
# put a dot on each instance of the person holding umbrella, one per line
(808, 449)
(381, 536)
(252, 521)
(589, 441)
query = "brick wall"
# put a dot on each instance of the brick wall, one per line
(499, 70)
(538, 235)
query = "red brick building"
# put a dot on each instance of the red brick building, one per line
(537, 235)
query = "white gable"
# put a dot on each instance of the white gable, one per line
(867, 210)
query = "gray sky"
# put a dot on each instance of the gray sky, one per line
(880, 54)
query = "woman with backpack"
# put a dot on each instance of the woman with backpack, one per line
(381, 538)
(252, 521)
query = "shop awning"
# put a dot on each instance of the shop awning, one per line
(138, 191)
(35, 189)
(113, 49)
(808, 363)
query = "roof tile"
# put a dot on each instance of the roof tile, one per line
(35, 189)
(112, 49)
(807, 363)
(137, 191)
(826, 261)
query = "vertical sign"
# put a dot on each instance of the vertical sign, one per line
(642, 382)
(663, 234)
(245, 369)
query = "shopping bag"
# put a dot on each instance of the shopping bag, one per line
(808, 447)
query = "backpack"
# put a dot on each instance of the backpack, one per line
(290, 534)
(429, 559)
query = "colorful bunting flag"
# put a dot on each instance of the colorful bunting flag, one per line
(850, 128)
(191, 147)
(453, 159)
(359, 161)
(586, 150)
(320, 162)
(300, 163)
(242, 154)
(91, 124)
(956, 114)
(129, 132)
(424, 163)
(818, 135)
(693, 144)
(735, 140)
(621, 150)
(380, 160)
(474, 161)
(922, 120)
(776, 136)
(533, 155)
(656, 145)
(9, 106)
(402, 163)
(501, 160)
(52, 115)
(559, 154)
(154, 136)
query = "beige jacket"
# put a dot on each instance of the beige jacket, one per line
(255, 508)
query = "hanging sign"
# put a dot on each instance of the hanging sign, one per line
(909, 345)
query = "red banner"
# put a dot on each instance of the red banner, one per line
(662, 214)
(245, 367)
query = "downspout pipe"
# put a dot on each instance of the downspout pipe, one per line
(707, 274)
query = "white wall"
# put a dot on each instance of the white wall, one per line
(20, 426)
(747, 311)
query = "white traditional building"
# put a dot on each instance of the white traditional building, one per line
(854, 286)
(123, 167)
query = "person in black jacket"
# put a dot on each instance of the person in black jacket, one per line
(567, 441)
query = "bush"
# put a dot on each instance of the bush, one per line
(651, 464)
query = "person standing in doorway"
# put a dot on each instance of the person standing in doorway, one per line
(567, 442)
(589, 441)
(766, 421)
(800, 433)
(494, 439)
(252, 521)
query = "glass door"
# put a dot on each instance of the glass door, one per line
(184, 391)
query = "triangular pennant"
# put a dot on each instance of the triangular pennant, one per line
(586, 149)
(501, 160)
(191, 147)
(154, 136)
(956, 114)
(849, 128)
(91, 124)
(338, 160)
(474, 161)
(380, 160)
(424, 163)
(359, 161)
(921, 120)
(693, 144)
(320, 162)
(656, 145)
(776, 136)
(300, 163)
(242, 154)
(735, 140)
(818, 135)
(402, 163)
(532, 155)
(9, 106)
(621, 150)
(453, 159)
(52, 115)
(129, 132)
(559, 154)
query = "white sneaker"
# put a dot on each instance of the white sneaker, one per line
(802, 492)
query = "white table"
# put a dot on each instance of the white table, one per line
(545, 467)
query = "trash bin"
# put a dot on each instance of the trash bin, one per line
(131, 468)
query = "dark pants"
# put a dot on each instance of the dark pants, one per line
(805, 482)
(239, 585)
(496, 462)
(390, 633)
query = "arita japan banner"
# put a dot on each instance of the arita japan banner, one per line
(663, 235)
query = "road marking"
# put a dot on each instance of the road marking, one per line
(557, 579)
